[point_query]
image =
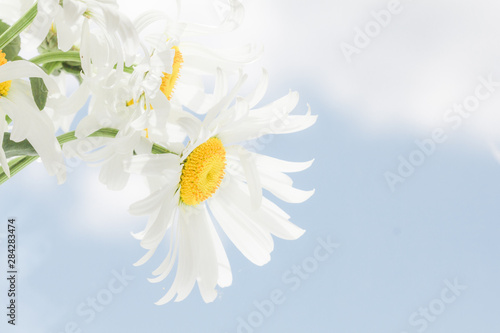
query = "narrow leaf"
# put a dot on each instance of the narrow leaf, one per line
(39, 91)
(12, 148)
(12, 49)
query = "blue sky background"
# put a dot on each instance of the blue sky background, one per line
(398, 250)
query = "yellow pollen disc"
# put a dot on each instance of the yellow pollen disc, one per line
(4, 86)
(203, 172)
(168, 80)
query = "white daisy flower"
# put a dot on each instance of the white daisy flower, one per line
(154, 78)
(137, 126)
(64, 115)
(28, 122)
(147, 88)
(107, 109)
(119, 43)
(214, 175)
(183, 83)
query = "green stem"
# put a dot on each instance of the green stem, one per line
(20, 163)
(17, 165)
(56, 56)
(73, 56)
(14, 31)
(103, 132)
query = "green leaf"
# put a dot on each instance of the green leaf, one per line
(40, 91)
(7, 118)
(11, 148)
(12, 49)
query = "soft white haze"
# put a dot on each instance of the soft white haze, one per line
(428, 57)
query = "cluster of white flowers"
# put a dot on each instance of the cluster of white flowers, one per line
(150, 114)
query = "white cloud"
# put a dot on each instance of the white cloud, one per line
(427, 58)
(104, 213)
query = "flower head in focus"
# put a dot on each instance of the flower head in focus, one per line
(149, 113)
(216, 176)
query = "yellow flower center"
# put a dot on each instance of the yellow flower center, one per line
(4, 86)
(168, 80)
(203, 172)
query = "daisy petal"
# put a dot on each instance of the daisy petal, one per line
(145, 258)
(13, 70)
(286, 192)
(151, 165)
(269, 217)
(252, 176)
(259, 91)
(268, 162)
(253, 242)
(185, 277)
(166, 266)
